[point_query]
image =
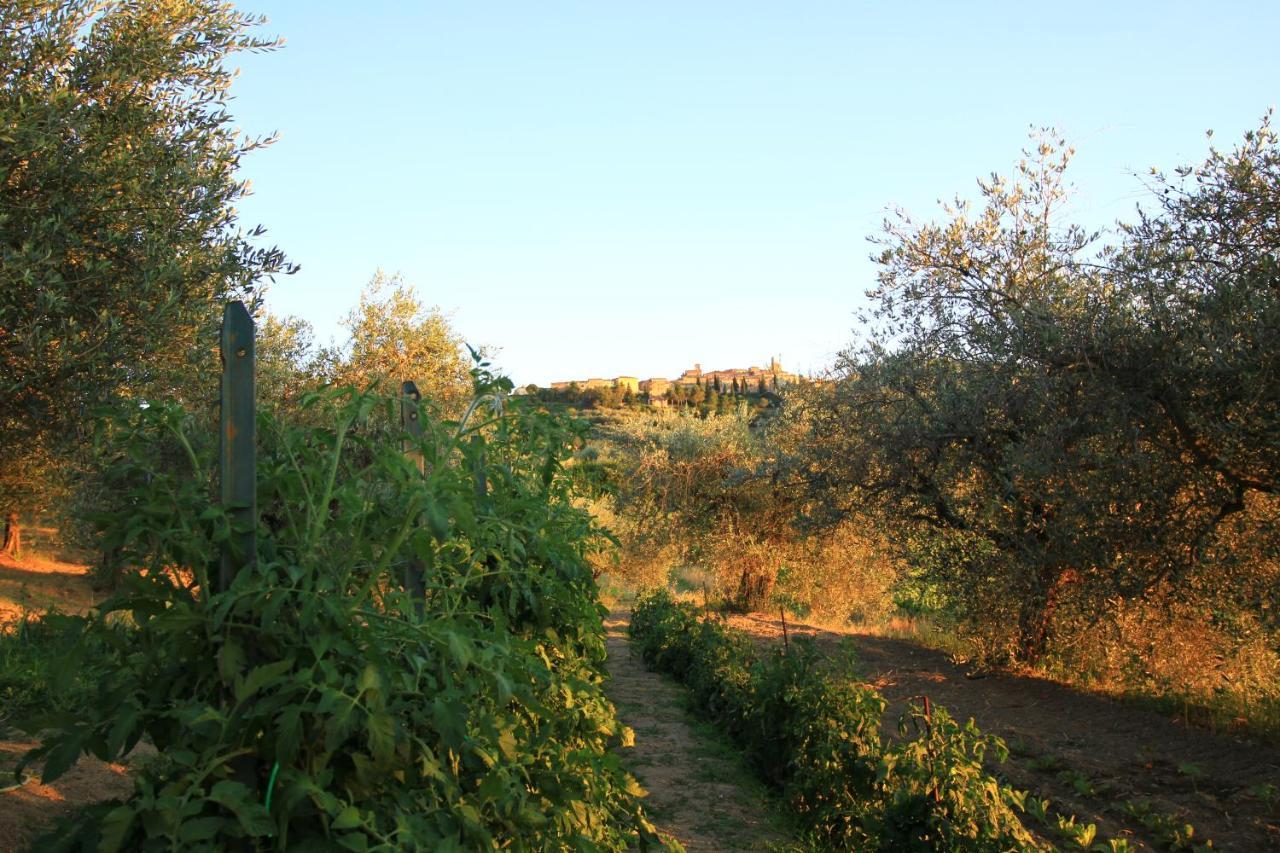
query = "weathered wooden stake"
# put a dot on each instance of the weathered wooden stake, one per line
(411, 421)
(237, 474)
(786, 641)
(237, 462)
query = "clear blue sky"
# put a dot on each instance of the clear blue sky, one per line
(604, 188)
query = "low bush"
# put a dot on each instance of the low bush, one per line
(816, 738)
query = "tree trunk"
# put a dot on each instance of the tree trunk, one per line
(110, 569)
(12, 537)
(753, 589)
(1036, 623)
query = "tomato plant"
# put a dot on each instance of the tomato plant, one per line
(315, 703)
(816, 737)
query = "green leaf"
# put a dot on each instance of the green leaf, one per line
(459, 650)
(508, 744)
(230, 660)
(260, 677)
(348, 818)
(61, 758)
(240, 800)
(114, 828)
(450, 720)
(369, 679)
(288, 734)
(201, 828)
(381, 729)
(123, 730)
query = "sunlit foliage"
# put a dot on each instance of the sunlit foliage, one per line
(1039, 418)
(118, 227)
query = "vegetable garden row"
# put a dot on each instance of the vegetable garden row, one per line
(814, 735)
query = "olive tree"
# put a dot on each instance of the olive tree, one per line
(395, 337)
(1200, 345)
(1040, 418)
(118, 227)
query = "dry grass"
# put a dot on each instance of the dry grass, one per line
(921, 630)
(1171, 653)
(1169, 657)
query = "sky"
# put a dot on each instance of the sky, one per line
(610, 188)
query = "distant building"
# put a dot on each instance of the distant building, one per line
(691, 377)
(656, 387)
(774, 377)
(747, 380)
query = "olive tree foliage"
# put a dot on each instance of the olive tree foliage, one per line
(692, 491)
(394, 338)
(287, 362)
(710, 500)
(1039, 416)
(1202, 349)
(118, 228)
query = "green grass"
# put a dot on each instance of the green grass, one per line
(47, 665)
(613, 592)
(1047, 763)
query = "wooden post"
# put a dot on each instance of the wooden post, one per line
(237, 461)
(411, 422)
(786, 641)
(237, 475)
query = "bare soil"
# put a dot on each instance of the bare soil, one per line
(36, 584)
(31, 586)
(1090, 755)
(30, 810)
(700, 792)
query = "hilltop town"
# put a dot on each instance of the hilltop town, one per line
(737, 380)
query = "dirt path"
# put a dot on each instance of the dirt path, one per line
(33, 586)
(1089, 755)
(30, 810)
(38, 584)
(700, 792)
